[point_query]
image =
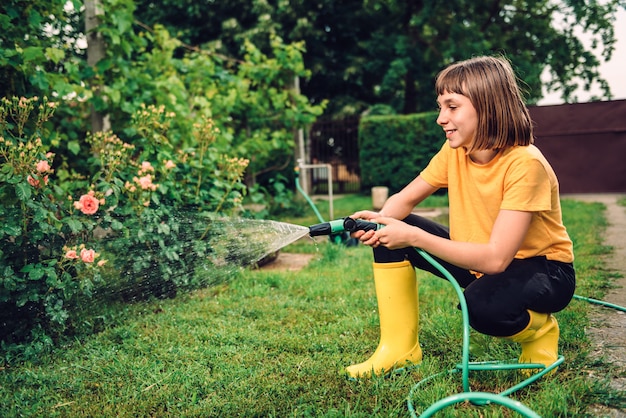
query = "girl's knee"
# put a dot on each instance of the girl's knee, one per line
(495, 317)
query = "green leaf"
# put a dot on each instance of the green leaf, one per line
(75, 225)
(36, 273)
(33, 54)
(74, 147)
(163, 229)
(4, 21)
(34, 18)
(40, 79)
(23, 191)
(55, 54)
(13, 230)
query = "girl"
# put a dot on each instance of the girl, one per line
(506, 244)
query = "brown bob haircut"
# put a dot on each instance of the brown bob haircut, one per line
(490, 84)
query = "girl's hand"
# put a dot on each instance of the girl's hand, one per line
(366, 215)
(395, 234)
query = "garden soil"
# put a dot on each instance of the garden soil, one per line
(608, 326)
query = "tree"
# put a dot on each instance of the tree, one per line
(96, 50)
(364, 52)
(36, 47)
(248, 96)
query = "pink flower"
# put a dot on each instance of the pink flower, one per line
(130, 187)
(35, 182)
(71, 254)
(43, 166)
(87, 255)
(145, 182)
(87, 204)
(169, 164)
(102, 263)
(146, 167)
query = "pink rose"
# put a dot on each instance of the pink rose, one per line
(43, 166)
(87, 255)
(145, 182)
(32, 181)
(169, 164)
(87, 204)
(35, 182)
(146, 166)
(71, 254)
(130, 187)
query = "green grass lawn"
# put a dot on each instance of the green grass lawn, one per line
(271, 344)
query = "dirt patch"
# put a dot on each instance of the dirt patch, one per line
(288, 262)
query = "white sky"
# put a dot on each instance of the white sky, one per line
(613, 71)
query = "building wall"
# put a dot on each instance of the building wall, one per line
(585, 143)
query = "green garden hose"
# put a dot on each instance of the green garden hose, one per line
(306, 196)
(478, 398)
(601, 302)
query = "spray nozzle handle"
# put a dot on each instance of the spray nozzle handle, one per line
(342, 225)
(351, 225)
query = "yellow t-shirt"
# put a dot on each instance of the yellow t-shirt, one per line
(518, 178)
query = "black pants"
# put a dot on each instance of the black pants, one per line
(497, 304)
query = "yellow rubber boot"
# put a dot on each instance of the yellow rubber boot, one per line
(539, 341)
(396, 292)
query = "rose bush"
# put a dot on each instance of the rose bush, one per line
(39, 280)
(123, 227)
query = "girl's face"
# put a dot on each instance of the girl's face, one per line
(458, 118)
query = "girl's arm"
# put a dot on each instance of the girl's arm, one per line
(507, 236)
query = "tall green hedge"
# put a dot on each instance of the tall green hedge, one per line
(394, 149)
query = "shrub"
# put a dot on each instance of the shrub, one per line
(46, 257)
(128, 213)
(394, 149)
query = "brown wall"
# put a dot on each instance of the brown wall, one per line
(585, 143)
